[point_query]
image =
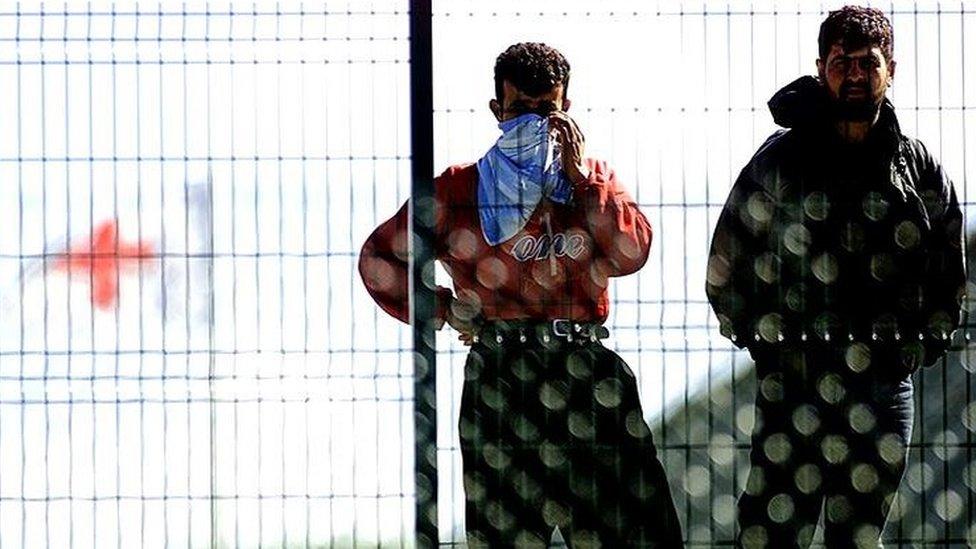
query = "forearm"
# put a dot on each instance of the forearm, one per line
(620, 230)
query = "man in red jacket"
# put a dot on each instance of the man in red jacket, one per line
(552, 432)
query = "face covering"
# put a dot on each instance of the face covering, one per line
(521, 168)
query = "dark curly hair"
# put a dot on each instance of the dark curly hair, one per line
(855, 27)
(532, 67)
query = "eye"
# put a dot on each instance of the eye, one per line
(840, 63)
(869, 63)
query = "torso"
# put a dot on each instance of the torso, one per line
(545, 271)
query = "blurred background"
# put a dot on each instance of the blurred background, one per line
(187, 354)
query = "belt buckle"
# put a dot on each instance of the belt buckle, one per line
(556, 322)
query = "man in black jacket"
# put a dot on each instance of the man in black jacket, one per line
(838, 262)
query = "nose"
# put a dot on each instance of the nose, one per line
(855, 72)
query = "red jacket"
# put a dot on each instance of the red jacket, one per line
(556, 267)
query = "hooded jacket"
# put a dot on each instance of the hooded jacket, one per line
(822, 242)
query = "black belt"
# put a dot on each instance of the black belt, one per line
(540, 331)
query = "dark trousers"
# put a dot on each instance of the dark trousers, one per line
(552, 435)
(825, 436)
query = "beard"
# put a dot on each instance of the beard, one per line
(863, 109)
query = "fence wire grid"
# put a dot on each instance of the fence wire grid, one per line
(187, 354)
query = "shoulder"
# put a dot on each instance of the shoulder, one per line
(459, 179)
(922, 166)
(600, 171)
(766, 167)
(457, 174)
(918, 156)
(776, 148)
(776, 143)
(926, 174)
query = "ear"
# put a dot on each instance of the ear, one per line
(566, 104)
(821, 70)
(496, 109)
(891, 71)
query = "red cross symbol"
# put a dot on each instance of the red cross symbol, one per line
(103, 258)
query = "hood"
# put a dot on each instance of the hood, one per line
(804, 102)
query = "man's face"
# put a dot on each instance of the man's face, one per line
(515, 102)
(856, 80)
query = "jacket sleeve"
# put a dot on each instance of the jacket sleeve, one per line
(621, 232)
(383, 268)
(945, 261)
(738, 248)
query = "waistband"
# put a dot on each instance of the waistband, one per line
(546, 332)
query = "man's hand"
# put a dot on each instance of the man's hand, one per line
(571, 145)
(466, 328)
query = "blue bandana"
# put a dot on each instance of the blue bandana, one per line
(521, 168)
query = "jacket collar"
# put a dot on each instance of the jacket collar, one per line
(804, 104)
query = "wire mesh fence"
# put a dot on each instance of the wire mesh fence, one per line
(186, 357)
(187, 354)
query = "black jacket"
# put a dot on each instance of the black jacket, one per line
(822, 242)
